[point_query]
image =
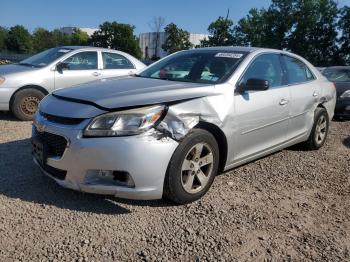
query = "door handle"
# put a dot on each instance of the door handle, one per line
(96, 74)
(315, 94)
(283, 102)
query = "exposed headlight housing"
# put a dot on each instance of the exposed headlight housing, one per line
(346, 94)
(125, 123)
(2, 79)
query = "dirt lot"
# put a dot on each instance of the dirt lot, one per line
(292, 205)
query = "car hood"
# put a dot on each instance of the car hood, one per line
(122, 92)
(15, 68)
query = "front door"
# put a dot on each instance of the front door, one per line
(77, 69)
(261, 117)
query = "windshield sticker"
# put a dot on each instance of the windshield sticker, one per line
(64, 50)
(229, 55)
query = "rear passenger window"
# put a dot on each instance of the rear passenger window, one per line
(265, 67)
(115, 61)
(297, 71)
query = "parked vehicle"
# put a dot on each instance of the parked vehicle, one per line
(165, 133)
(321, 69)
(340, 76)
(23, 85)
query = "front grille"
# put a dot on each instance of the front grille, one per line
(54, 144)
(62, 120)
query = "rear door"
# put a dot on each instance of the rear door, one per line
(77, 69)
(305, 96)
(115, 64)
(262, 116)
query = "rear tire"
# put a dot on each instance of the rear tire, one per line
(319, 130)
(192, 168)
(25, 103)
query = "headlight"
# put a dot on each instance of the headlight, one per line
(2, 79)
(346, 94)
(125, 123)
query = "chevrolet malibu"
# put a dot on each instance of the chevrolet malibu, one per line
(170, 129)
(23, 85)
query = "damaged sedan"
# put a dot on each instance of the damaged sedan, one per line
(168, 131)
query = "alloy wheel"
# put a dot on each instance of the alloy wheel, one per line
(321, 129)
(197, 168)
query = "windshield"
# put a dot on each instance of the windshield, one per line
(198, 67)
(46, 57)
(337, 74)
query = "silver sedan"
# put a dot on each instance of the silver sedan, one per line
(23, 85)
(170, 129)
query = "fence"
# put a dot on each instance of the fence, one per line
(14, 57)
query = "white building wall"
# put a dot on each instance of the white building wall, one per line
(147, 42)
(70, 29)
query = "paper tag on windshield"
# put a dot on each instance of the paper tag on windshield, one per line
(229, 55)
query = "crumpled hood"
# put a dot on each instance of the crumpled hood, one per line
(121, 92)
(14, 68)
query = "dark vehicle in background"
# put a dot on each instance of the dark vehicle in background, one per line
(340, 76)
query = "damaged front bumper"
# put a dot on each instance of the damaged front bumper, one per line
(93, 164)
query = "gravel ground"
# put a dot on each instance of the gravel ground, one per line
(292, 205)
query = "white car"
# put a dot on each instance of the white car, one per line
(23, 85)
(162, 132)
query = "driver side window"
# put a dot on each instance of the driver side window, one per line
(265, 67)
(81, 61)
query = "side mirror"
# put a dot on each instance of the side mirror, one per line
(62, 66)
(257, 84)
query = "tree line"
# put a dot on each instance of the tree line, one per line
(318, 30)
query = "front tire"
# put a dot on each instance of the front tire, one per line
(25, 103)
(319, 130)
(192, 168)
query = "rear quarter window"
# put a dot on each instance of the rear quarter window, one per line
(115, 61)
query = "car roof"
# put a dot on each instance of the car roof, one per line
(242, 49)
(88, 47)
(231, 48)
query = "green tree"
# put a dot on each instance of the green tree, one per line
(176, 39)
(19, 40)
(79, 37)
(305, 27)
(117, 36)
(42, 40)
(254, 29)
(344, 41)
(221, 33)
(266, 28)
(314, 31)
(60, 39)
(3, 37)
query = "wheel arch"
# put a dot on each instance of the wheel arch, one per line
(220, 138)
(39, 88)
(321, 105)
